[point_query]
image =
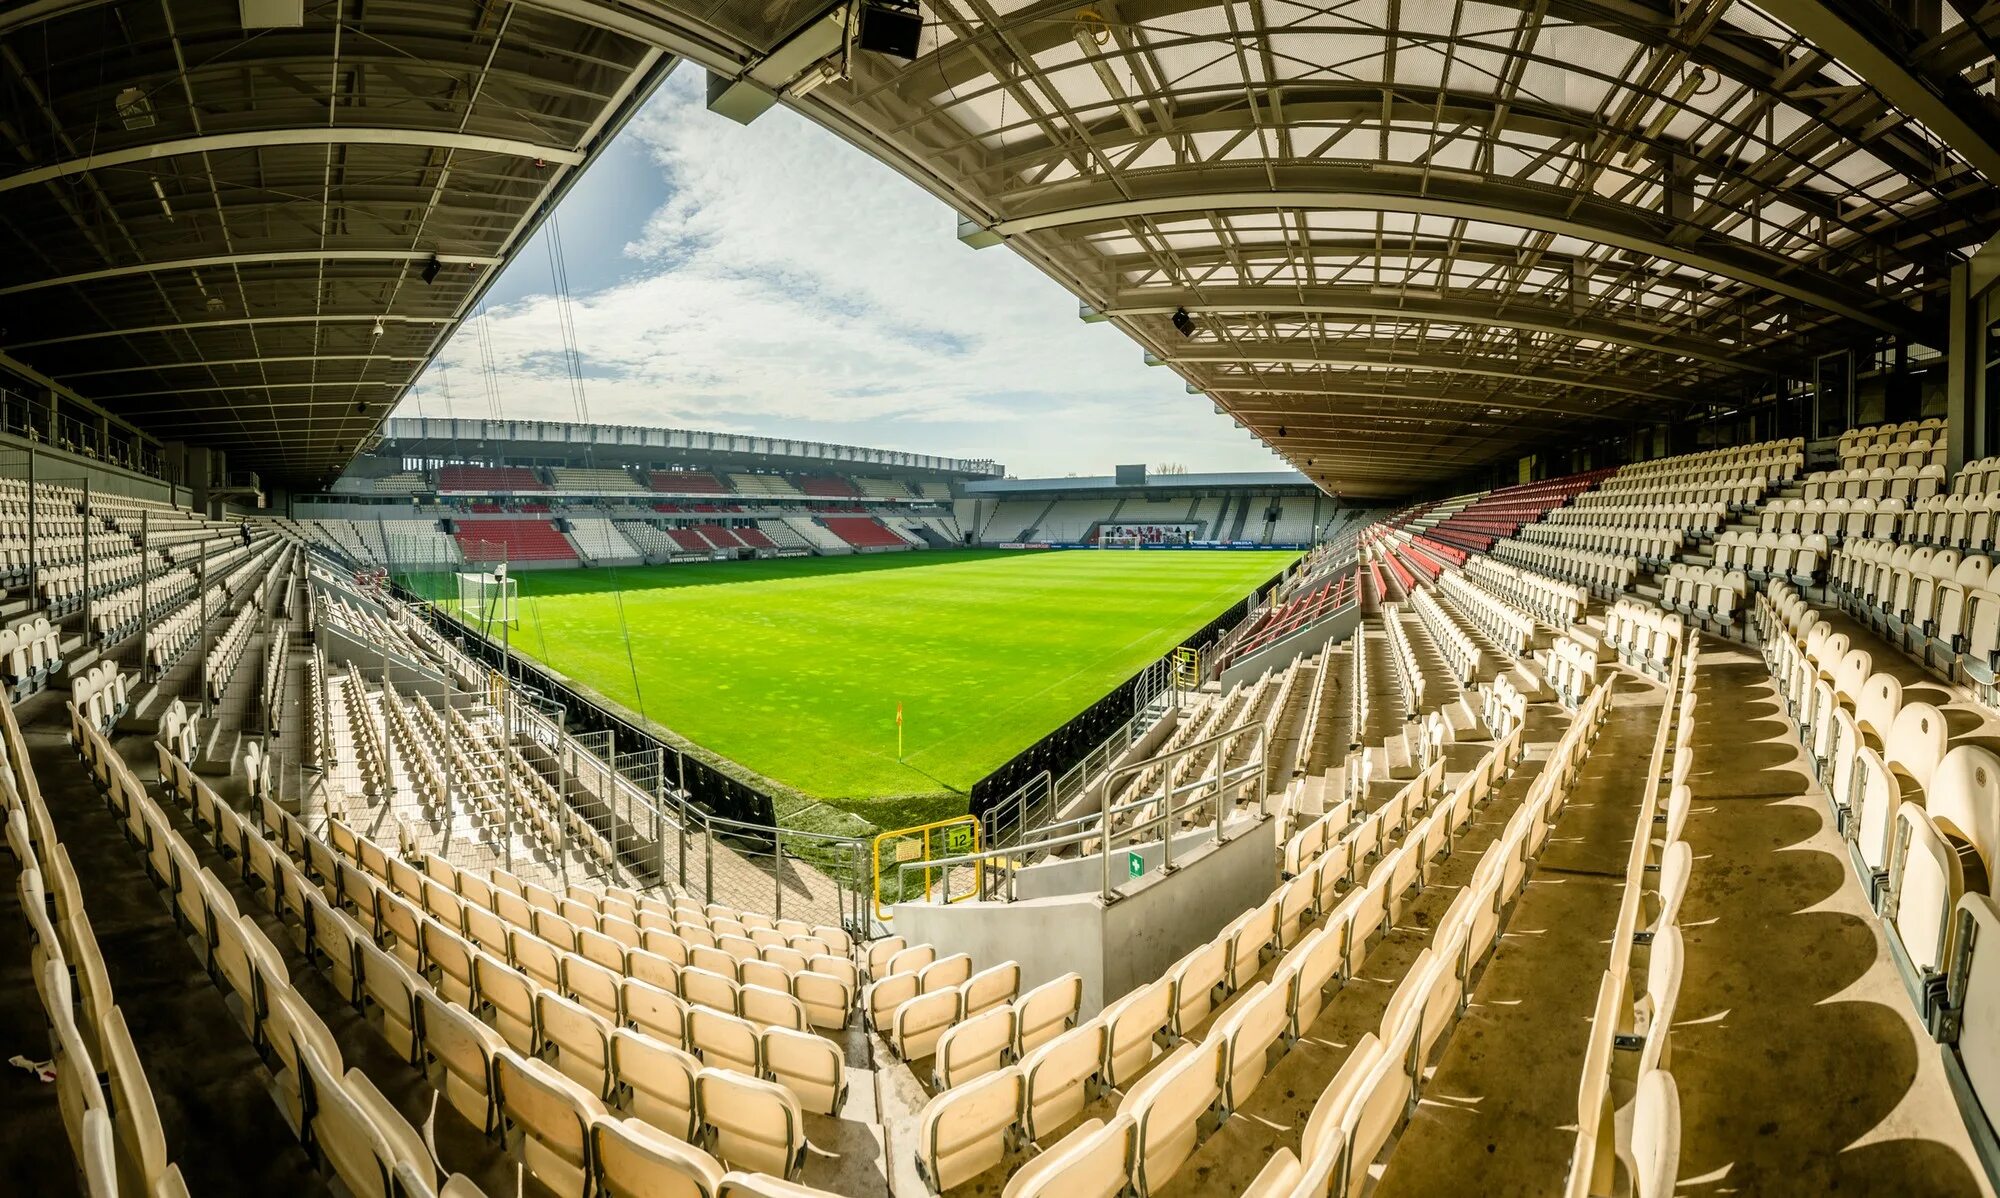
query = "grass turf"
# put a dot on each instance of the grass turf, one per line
(794, 667)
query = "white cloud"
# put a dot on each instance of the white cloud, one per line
(791, 285)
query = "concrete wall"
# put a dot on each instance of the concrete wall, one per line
(1154, 921)
(1050, 879)
(66, 469)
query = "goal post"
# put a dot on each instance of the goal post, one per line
(487, 598)
(1118, 541)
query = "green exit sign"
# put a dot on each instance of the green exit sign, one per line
(1135, 865)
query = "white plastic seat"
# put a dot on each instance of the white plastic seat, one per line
(460, 1051)
(812, 1067)
(1059, 1076)
(966, 1131)
(723, 1041)
(548, 1118)
(1046, 1012)
(1167, 1108)
(1089, 1162)
(750, 1123)
(918, 1023)
(655, 1082)
(632, 1159)
(976, 1045)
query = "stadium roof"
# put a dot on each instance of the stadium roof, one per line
(1262, 480)
(220, 231)
(1412, 234)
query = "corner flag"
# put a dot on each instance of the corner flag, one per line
(899, 730)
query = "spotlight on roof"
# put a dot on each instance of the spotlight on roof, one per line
(1184, 322)
(135, 109)
(378, 326)
(1281, 430)
(891, 27)
(432, 268)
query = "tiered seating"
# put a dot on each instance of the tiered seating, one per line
(517, 540)
(754, 537)
(100, 1086)
(767, 485)
(1930, 602)
(1644, 637)
(1910, 484)
(863, 532)
(594, 480)
(413, 544)
(1409, 676)
(1648, 548)
(827, 486)
(1461, 651)
(1957, 521)
(1499, 514)
(687, 540)
(1506, 625)
(1835, 518)
(1635, 1010)
(648, 539)
(1911, 443)
(406, 482)
(1601, 573)
(881, 488)
(599, 539)
(489, 480)
(686, 482)
(1271, 624)
(1321, 936)
(1764, 555)
(1547, 599)
(718, 536)
(1712, 597)
(1919, 813)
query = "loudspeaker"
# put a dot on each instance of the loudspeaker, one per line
(892, 28)
(1184, 322)
(431, 270)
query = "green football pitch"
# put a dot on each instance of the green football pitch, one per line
(794, 667)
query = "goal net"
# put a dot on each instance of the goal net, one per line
(487, 599)
(1119, 541)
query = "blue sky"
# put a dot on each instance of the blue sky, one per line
(772, 279)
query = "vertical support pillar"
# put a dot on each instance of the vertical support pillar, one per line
(89, 517)
(1964, 372)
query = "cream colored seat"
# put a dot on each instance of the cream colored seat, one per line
(751, 1124)
(1168, 1107)
(1090, 1162)
(580, 1039)
(1046, 1012)
(918, 1024)
(828, 1000)
(659, 1013)
(976, 1045)
(508, 997)
(343, 1135)
(632, 1159)
(723, 1041)
(460, 1051)
(1060, 1077)
(812, 1067)
(765, 1007)
(963, 1132)
(1133, 1025)
(990, 988)
(654, 1081)
(547, 1117)
(1248, 1031)
(391, 990)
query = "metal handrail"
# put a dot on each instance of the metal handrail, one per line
(1007, 859)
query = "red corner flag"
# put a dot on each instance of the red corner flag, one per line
(899, 715)
(899, 730)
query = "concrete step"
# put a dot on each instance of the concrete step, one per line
(77, 659)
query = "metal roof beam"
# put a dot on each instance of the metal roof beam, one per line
(1496, 311)
(1454, 195)
(1859, 38)
(1318, 355)
(266, 139)
(185, 326)
(258, 258)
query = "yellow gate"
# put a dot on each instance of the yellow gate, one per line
(958, 836)
(1187, 668)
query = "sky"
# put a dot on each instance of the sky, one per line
(771, 279)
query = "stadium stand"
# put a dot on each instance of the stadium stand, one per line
(863, 533)
(487, 480)
(686, 482)
(593, 481)
(517, 540)
(1625, 832)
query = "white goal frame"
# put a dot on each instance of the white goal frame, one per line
(1127, 541)
(486, 598)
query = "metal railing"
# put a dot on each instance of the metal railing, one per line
(1000, 866)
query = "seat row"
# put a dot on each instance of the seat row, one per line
(30, 655)
(1699, 518)
(540, 1067)
(1505, 624)
(1932, 603)
(1764, 555)
(1879, 439)
(1833, 518)
(1166, 1113)
(1732, 488)
(1649, 548)
(1627, 1053)
(1549, 600)
(1712, 597)
(1465, 655)
(1643, 636)
(1907, 483)
(1599, 573)
(1962, 522)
